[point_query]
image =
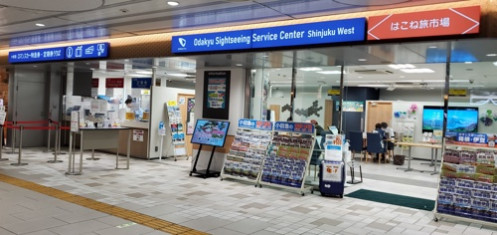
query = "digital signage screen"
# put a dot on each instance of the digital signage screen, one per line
(459, 119)
(210, 132)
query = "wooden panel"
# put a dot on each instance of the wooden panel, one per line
(183, 108)
(225, 149)
(138, 149)
(328, 113)
(276, 108)
(378, 112)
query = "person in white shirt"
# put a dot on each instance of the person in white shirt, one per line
(389, 134)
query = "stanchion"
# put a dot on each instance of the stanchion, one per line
(19, 163)
(1, 144)
(71, 160)
(13, 138)
(93, 158)
(56, 150)
(49, 136)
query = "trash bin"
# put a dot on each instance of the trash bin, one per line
(398, 159)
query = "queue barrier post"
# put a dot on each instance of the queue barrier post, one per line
(56, 145)
(1, 144)
(14, 123)
(49, 133)
(19, 163)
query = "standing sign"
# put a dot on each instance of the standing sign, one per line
(334, 148)
(452, 21)
(74, 121)
(216, 94)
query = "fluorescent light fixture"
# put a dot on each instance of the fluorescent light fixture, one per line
(239, 65)
(172, 3)
(180, 75)
(143, 72)
(468, 62)
(40, 25)
(362, 60)
(492, 55)
(330, 72)
(310, 69)
(401, 66)
(432, 47)
(373, 85)
(420, 70)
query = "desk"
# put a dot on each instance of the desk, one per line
(96, 138)
(433, 146)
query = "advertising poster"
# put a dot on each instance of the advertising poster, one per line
(216, 94)
(333, 151)
(190, 116)
(209, 132)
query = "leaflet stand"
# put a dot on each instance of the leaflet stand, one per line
(207, 172)
(299, 139)
(176, 129)
(245, 162)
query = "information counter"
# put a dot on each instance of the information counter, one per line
(139, 140)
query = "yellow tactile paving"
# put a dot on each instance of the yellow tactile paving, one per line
(139, 218)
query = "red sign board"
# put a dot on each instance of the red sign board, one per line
(94, 83)
(452, 21)
(114, 82)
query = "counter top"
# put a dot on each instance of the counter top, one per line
(103, 129)
(135, 124)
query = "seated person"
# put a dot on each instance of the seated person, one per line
(134, 107)
(380, 131)
(389, 135)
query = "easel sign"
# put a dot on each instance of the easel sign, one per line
(74, 121)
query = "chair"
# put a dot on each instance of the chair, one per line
(375, 144)
(357, 144)
(315, 158)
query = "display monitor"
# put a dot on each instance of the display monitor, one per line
(210, 132)
(459, 119)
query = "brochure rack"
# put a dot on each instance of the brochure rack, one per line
(467, 189)
(248, 151)
(177, 130)
(289, 156)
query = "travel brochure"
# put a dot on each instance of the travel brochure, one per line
(177, 130)
(468, 185)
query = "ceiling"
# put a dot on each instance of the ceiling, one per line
(79, 20)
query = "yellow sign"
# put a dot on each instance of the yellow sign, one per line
(172, 103)
(334, 92)
(458, 92)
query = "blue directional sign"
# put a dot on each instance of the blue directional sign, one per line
(48, 54)
(233, 40)
(145, 83)
(312, 33)
(87, 51)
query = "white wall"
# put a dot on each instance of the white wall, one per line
(237, 109)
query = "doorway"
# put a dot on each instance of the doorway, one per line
(186, 103)
(378, 112)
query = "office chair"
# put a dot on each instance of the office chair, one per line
(357, 144)
(375, 145)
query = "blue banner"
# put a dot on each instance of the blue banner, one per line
(306, 128)
(49, 54)
(348, 30)
(312, 33)
(234, 40)
(255, 124)
(87, 51)
(474, 138)
(145, 83)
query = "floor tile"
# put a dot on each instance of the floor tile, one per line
(129, 230)
(206, 223)
(34, 225)
(248, 226)
(223, 231)
(80, 227)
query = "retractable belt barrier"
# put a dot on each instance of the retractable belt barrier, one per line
(20, 126)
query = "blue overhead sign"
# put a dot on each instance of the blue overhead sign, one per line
(87, 51)
(145, 83)
(49, 54)
(233, 40)
(348, 30)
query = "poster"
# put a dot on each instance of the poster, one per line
(74, 121)
(332, 171)
(216, 94)
(190, 116)
(210, 132)
(352, 106)
(333, 148)
(138, 135)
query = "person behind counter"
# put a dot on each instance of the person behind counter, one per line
(133, 106)
(320, 132)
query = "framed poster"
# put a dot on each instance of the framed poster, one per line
(210, 132)
(216, 94)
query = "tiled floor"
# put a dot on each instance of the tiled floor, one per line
(164, 190)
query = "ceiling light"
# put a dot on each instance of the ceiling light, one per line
(181, 75)
(420, 70)
(172, 3)
(491, 55)
(239, 65)
(432, 47)
(362, 60)
(401, 66)
(330, 72)
(310, 69)
(468, 62)
(372, 85)
(40, 25)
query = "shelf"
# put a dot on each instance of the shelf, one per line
(469, 147)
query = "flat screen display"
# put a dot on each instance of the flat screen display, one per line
(210, 132)
(459, 119)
